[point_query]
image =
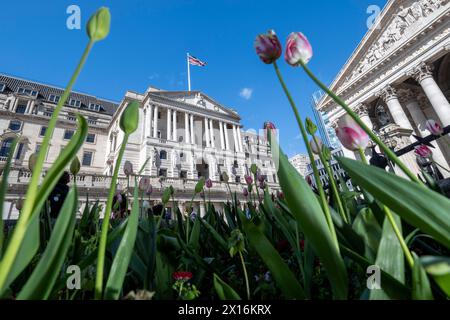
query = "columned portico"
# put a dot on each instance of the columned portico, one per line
(192, 140)
(187, 137)
(155, 125)
(211, 131)
(227, 141)
(222, 142)
(389, 95)
(175, 131)
(169, 122)
(207, 136)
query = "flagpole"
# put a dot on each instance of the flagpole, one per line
(188, 72)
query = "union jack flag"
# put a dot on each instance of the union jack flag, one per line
(196, 62)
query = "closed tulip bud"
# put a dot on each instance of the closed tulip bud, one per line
(172, 190)
(209, 183)
(166, 195)
(316, 147)
(423, 151)
(310, 126)
(128, 168)
(268, 47)
(200, 184)
(254, 169)
(130, 118)
(262, 184)
(225, 177)
(19, 204)
(298, 49)
(32, 161)
(75, 166)
(99, 24)
(245, 192)
(351, 135)
(434, 127)
(326, 153)
(144, 184)
(260, 177)
(248, 179)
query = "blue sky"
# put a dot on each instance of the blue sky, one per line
(149, 40)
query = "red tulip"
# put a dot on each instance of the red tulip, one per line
(423, 151)
(268, 47)
(182, 275)
(351, 135)
(248, 179)
(298, 49)
(208, 183)
(434, 127)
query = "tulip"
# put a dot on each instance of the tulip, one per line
(32, 161)
(268, 47)
(75, 166)
(245, 192)
(199, 185)
(99, 24)
(434, 127)
(311, 128)
(254, 168)
(248, 179)
(351, 135)
(19, 204)
(298, 49)
(225, 177)
(209, 183)
(262, 184)
(423, 151)
(130, 118)
(316, 147)
(128, 168)
(144, 184)
(182, 275)
(149, 190)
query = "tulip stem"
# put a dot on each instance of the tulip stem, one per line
(439, 165)
(323, 199)
(394, 226)
(247, 285)
(358, 120)
(105, 223)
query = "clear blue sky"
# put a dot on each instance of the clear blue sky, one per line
(149, 41)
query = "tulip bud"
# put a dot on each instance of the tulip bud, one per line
(351, 135)
(166, 195)
(144, 184)
(316, 147)
(225, 177)
(245, 192)
(19, 204)
(248, 179)
(298, 49)
(75, 166)
(172, 191)
(130, 118)
(99, 24)
(149, 190)
(253, 169)
(310, 126)
(262, 184)
(434, 127)
(128, 168)
(209, 183)
(326, 153)
(199, 185)
(423, 151)
(32, 161)
(268, 47)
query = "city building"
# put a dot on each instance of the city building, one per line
(399, 76)
(300, 162)
(181, 137)
(324, 128)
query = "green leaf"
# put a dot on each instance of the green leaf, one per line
(439, 269)
(283, 276)
(421, 289)
(195, 235)
(311, 220)
(43, 278)
(417, 205)
(122, 258)
(217, 237)
(223, 290)
(390, 258)
(367, 227)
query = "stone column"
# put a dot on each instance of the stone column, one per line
(175, 131)
(389, 95)
(207, 133)
(211, 131)
(363, 112)
(155, 125)
(150, 117)
(236, 146)
(239, 137)
(186, 128)
(424, 76)
(169, 127)
(227, 142)
(146, 130)
(222, 142)
(191, 130)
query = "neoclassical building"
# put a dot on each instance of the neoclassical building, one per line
(399, 76)
(181, 137)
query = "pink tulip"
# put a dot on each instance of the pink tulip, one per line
(423, 151)
(351, 135)
(208, 183)
(298, 49)
(268, 47)
(245, 192)
(248, 179)
(434, 127)
(144, 183)
(128, 168)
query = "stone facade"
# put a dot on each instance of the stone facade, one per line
(300, 162)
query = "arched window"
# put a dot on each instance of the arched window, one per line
(163, 155)
(5, 147)
(15, 125)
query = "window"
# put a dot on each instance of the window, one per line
(54, 98)
(21, 107)
(71, 117)
(90, 138)
(68, 134)
(42, 132)
(5, 147)
(95, 107)
(237, 179)
(87, 158)
(92, 120)
(163, 155)
(74, 103)
(163, 172)
(183, 174)
(2, 87)
(27, 92)
(48, 112)
(19, 151)
(15, 125)
(38, 148)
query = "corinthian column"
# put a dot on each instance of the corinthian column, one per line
(222, 142)
(363, 112)
(227, 142)
(155, 125)
(207, 133)
(389, 95)
(424, 76)
(191, 120)
(175, 131)
(211, 132)
(186, 128)
(239, 137)
(169, 129)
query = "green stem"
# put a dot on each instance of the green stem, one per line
(442, 167)
(247, 285)
(30, 198)
(355, 117)
(105, 224)
(311, 157)
(394, 226)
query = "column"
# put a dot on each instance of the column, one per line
(424, 76)
(241, 147)
(186, 128)
(363, 112)
(169, 127)
(207, 133)
(149, 117)
(389, 95)
(227, 142)
(192, 129)
(236, 146)
(155, 125)
(175, 131)
(413, 106)
(211, 131)
(222, 142)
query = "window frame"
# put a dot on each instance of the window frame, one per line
(91, 134)
(21, 105)
(91, 159)
(55, 99)
(74, 103)
(68, 130)
(40, 131)
(17, 121)
(2, 87)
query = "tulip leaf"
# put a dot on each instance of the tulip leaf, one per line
(217, 237)
(367, 227)
(44, 276)
(421, 289)
(123, 255)
(439, 269)
(417, 205)
(223, 290)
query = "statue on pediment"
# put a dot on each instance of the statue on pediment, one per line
(406, 15)
(417, 10)
(427, 6)
(436, 3)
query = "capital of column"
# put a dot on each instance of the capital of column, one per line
(407, 96)
(422, 72)
(387, 93)
(362, 110)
